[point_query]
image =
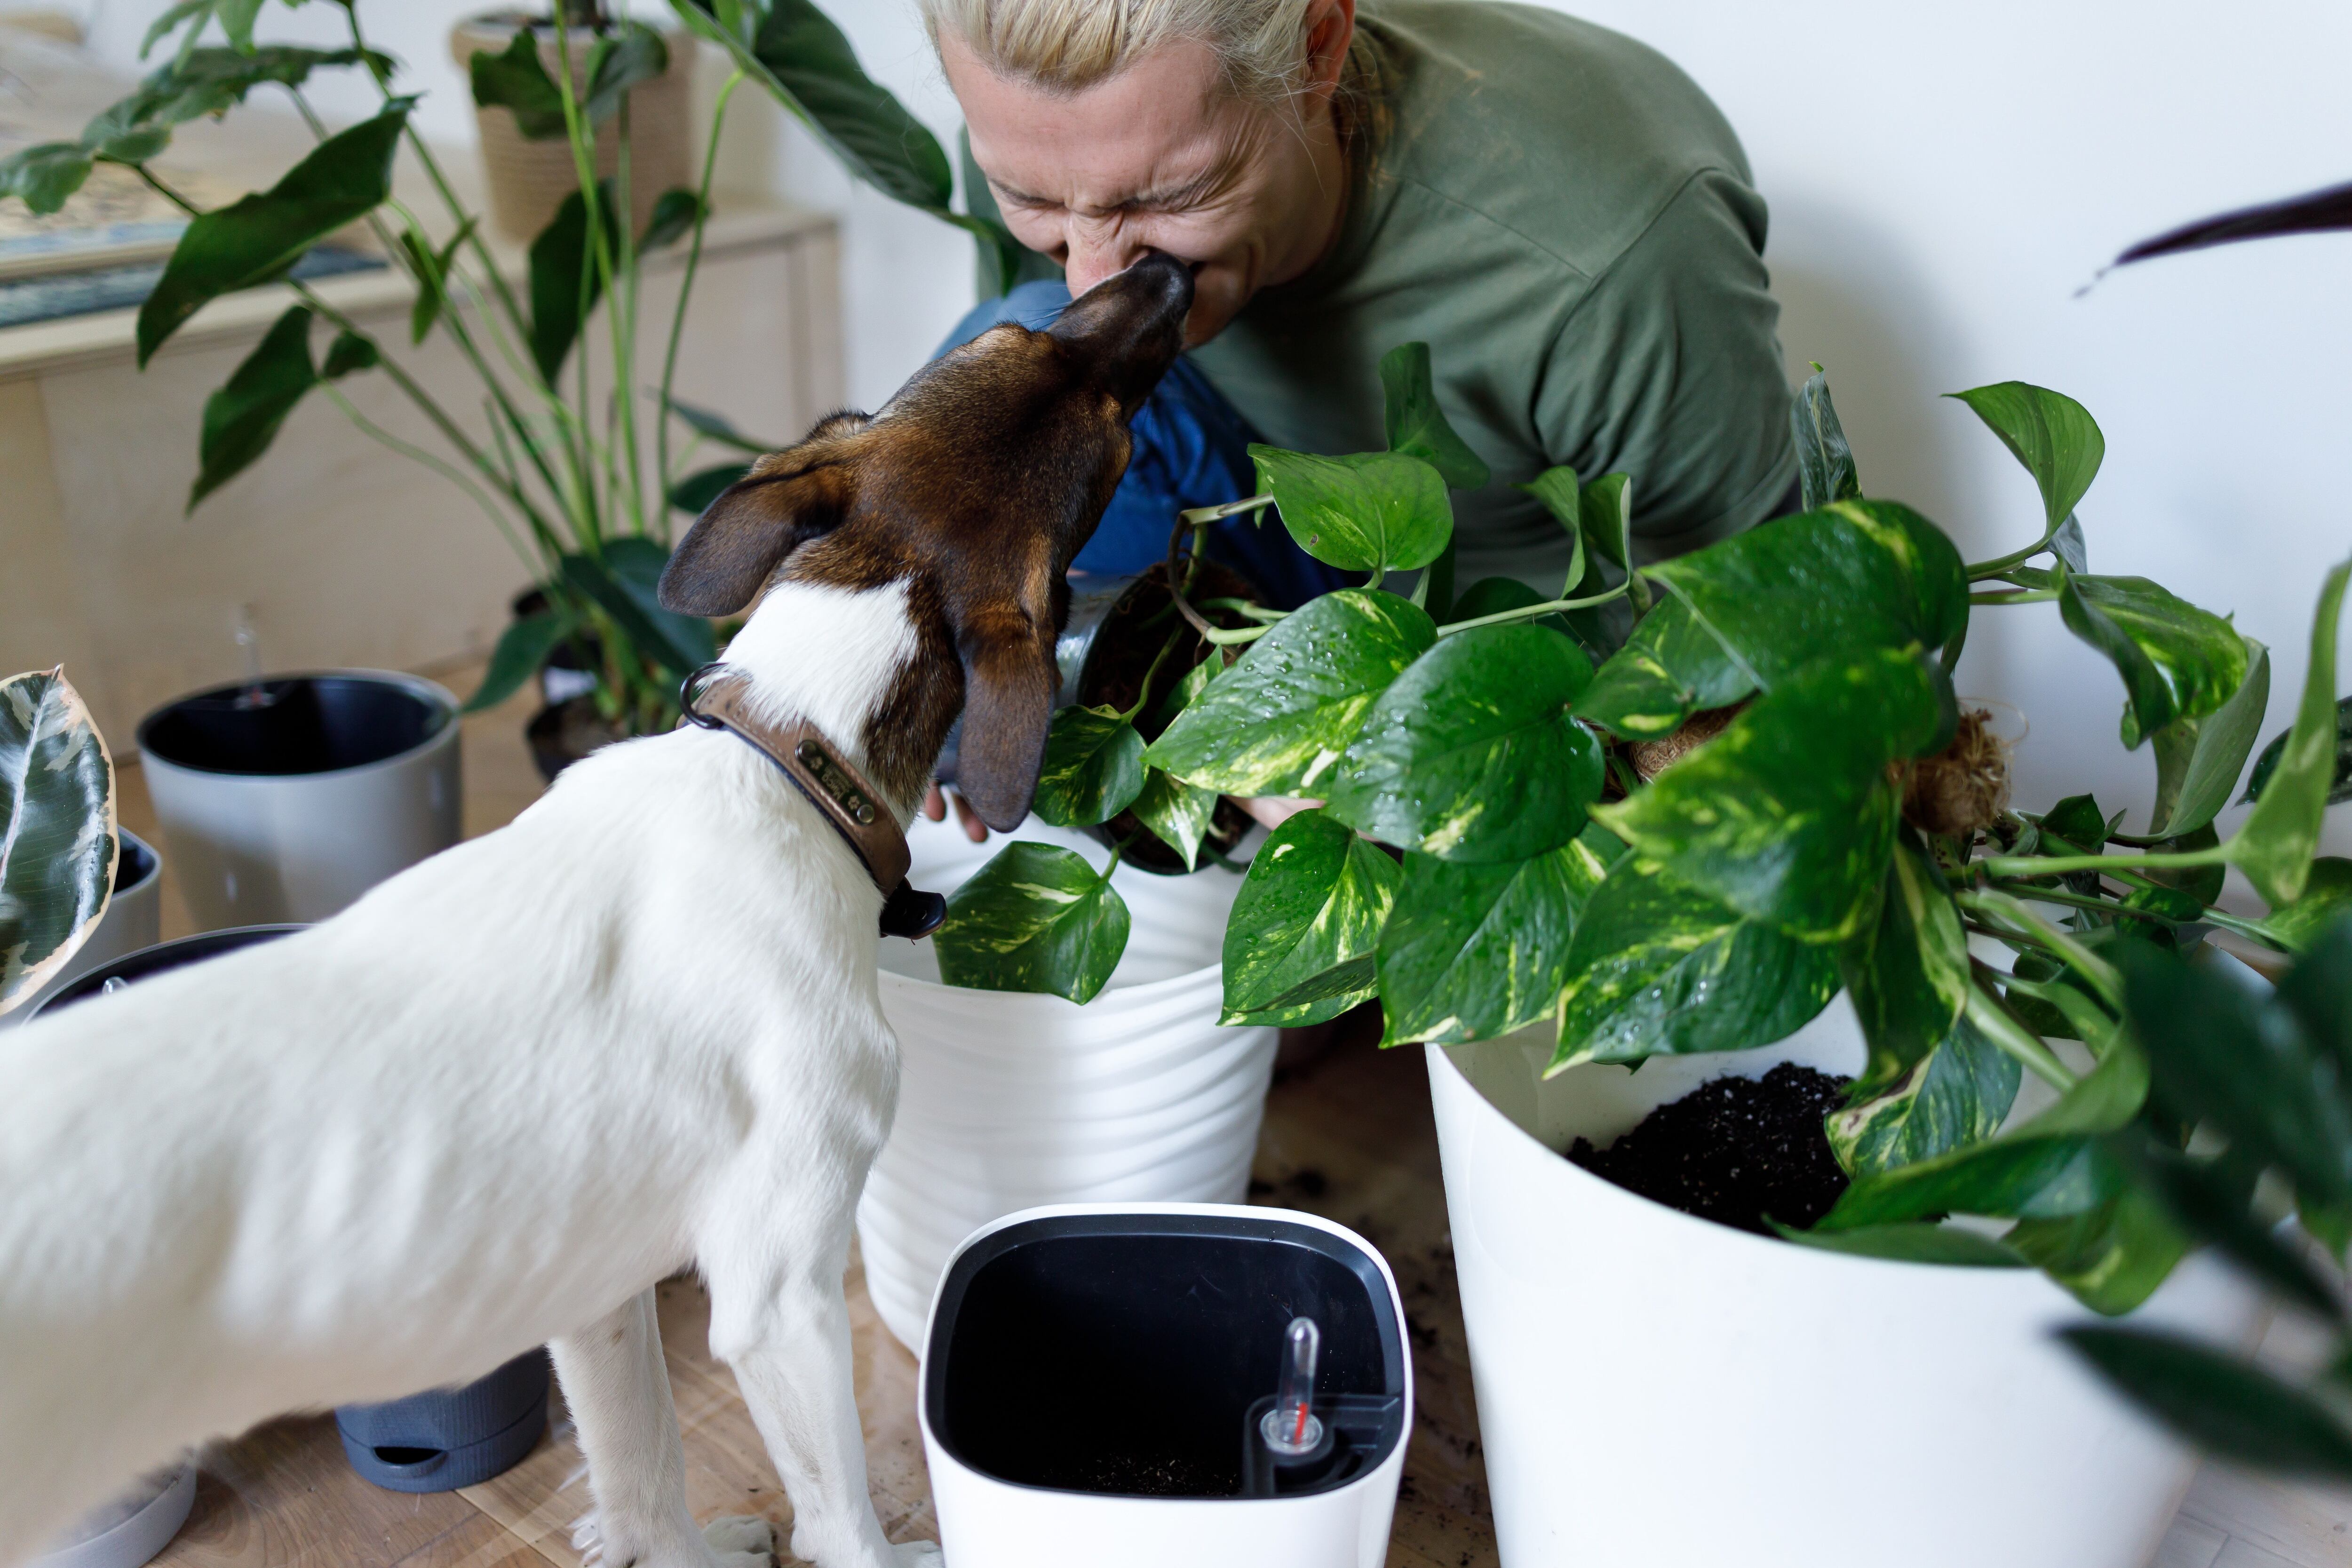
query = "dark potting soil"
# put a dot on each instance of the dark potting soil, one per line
(1734, 1150)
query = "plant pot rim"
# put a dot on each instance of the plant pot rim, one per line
(436, 696)
(228, 938)
(1140, 991)
(1704, 1232)
(154, 862)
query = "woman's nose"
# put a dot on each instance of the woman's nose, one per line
(1097, 251)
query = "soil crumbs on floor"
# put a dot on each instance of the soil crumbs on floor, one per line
(1734, 1150)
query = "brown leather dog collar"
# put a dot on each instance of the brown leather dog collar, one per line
(714, 697)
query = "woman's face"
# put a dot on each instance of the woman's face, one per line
(1162, 156)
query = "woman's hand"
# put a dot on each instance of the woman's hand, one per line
(935, 807)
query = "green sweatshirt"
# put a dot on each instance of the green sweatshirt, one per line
(1567, 221)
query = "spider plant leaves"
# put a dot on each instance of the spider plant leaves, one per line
(1471, 755)
(1656, 967)
(1277, 721)
(1855, 574)
(1671, 668)
(256, 238)
(2275, 844)
(522, 651)
(693, 494)
(2051, 434)
(1417, 426)
(1093, 768)
(623, 583)
(2197, 760)
(242, 418)
(1371, 511)
(518, 82)
(2339, 788)
(1177, 812)
(2176, 661)
(1787, 816)
(57, 837)
(2218, 1402)
(2315, 212)
(1957, 1095)
(1035, 918)
(1825, 470)
(1300, 945)
(795, 51)
(1472, 952)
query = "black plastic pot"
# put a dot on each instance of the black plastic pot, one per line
(175, 955)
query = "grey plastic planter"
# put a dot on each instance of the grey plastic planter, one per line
(450, 1437)
(134, 920)
(287, 799)
(133, 1528)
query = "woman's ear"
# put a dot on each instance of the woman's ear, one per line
(741, 537)
(1009, 685)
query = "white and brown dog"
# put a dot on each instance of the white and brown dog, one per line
(495, 1101)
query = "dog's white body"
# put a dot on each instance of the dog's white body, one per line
(487, 1107)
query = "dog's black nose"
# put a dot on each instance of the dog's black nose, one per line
(1131, 326)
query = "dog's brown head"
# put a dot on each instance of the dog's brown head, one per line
(975, 486)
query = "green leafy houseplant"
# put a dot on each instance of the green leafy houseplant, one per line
(58, 847)
(580, 475)
(1688, 835)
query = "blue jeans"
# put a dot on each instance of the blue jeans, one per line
(1192, 449)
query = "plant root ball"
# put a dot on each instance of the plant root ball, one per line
(1651, 758)
(1962, 789)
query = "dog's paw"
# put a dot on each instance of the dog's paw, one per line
(739, 1541)
(916, 1554)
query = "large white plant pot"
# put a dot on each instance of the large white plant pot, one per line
(352, 776)
(134, 920)
(1012, 1101)
(1656, 1391)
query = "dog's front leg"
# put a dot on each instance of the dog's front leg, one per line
(786, 1334)
(618, 1390)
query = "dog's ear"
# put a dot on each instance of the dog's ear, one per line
(740, 538)
(1009, 684)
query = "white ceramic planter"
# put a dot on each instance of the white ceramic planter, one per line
(1115, 1340)
(262, 834)
(1656, 1391)
(134, 920)
(1010, 1100)
(133, 1528)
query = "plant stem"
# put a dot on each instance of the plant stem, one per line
(2031, 894)
(167, 191)
(1203, 514)
(1223, 638)
(1984, 569)
(662, 476)
(2017, 596)
(1255, 610)
(1530, 612)
(1143, 693)
(1998, 907)
(2005, 866)
(449, 471)
(1996, 1024)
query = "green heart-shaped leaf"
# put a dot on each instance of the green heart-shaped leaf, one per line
(2178, 661)
(517, 81)
(1472, 952)
(1299, 942)
(2340, 789)
(1035, 918)
(1671, 668)
(1179, 814)
(1375, 510)
(1471, 755)
(2053, 435)
(1277, 721)
(2275, 845)
(1417, 426)
(1957, 1095)
(2111, 1258)
(1093, 768)
(2197, 760)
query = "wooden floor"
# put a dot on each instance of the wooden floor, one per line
(1348, 1136)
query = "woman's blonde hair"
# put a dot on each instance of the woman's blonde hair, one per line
(1067, 45)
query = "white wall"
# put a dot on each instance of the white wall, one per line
(1943, 180)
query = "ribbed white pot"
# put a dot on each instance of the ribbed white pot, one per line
(1012, 1101)
(1656, 1391)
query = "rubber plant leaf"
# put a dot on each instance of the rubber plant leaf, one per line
(2340, 789)
(1177, 812)
(1417, 426)
(1788, 815)
(256, 238)
(1671, 668)
(1299, 944)
(1472, 952)
(1093, 768)
(242, 418)
(806, 64)
(2227, 1406)
(1825, 470)
(1035, 918)
(1471, 755)
(2197, 760)
(565, 281)
(2176, 661)
(1855, 574)
(517, 81)
(693, 494)
(522, 652)
(1277, 721)
(1371, 511)
(2315, 212)
(2051, 434)
(2275, 844)
(1658, 968)
(632, 53)
(58, 839)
